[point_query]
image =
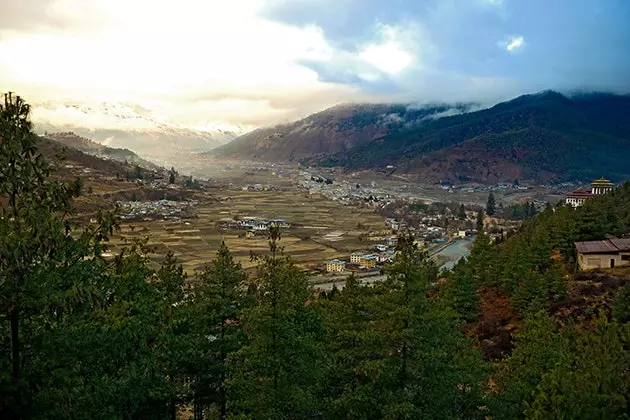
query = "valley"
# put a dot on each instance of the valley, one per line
(323, 221)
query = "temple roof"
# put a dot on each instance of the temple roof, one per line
(602, 181)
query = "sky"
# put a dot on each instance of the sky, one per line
(250, 63)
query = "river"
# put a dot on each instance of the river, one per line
(455, 251)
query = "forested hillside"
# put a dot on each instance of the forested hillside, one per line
(337, 129)
(95, 337)
(90, 147)
(544, 137)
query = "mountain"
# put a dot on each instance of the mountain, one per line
(334, 130)
(543, 137)
(93, 148)
(76, 162)
(128, 126)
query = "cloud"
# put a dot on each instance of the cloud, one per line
(513, 44)
(390, 55)
(258, 62)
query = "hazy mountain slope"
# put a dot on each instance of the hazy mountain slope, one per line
(76, 158)
(93, 148)
(334, 130)
(127, 126)
(542, 137)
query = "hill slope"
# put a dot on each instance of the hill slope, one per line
(542, 137)
(334, 130)
(128, 126)
(93, 148)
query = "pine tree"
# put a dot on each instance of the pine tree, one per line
(355, 352)
(171, 176)
(491, 205)
(221, 301)
(30, 232)
(480, 218)
(461, 215)
(461, 291)
(420, 382)
(539, 347)
(483, 262)
(277, 371)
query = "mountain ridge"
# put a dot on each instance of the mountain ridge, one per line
(336, 129)
(543, 137)
(128, 126)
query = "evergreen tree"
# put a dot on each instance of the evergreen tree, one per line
(419, 381)
(31, 235)
(461, 214)
(219, 302)
(461, 291)
(621, 307)
(277, 371)
(355, 352)
(483, 264)
(591, 380)
(538, 349)
(491, 205)
(480, 218)
(171, 175)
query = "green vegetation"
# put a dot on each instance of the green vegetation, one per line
(491, 205)
(95, 337)
(547, 135)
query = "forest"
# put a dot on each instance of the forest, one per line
(91, 337)
(545, 134)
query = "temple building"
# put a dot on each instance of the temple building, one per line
(598, 187)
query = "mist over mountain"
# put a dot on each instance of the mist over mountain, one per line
(334, 130)
(544, 137)
(128, 126)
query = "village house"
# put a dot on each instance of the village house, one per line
(355, 257)
(335, 266)
(598, 187)
(609, 253)
(365, 260)
(392, 241)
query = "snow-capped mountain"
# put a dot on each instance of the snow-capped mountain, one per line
(131, 126)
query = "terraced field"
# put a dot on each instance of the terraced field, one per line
(321, 229)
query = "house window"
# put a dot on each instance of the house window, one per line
(625, 257)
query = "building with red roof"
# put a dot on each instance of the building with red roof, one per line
(598, 187)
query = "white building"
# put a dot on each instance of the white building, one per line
(578, 197)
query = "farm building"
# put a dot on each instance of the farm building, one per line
(603, 254)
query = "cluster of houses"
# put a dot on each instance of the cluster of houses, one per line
(345, 192)
(363, 261)
(149, 210)
(254, 225)
(479, 188)
(258, 187)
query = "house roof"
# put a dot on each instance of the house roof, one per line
(600, 247)
(621, 244)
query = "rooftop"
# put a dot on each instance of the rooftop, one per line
(579, 194)
(605, 246)
(602, 181)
